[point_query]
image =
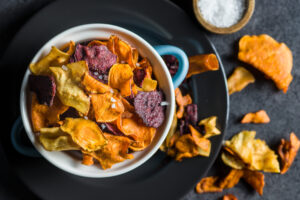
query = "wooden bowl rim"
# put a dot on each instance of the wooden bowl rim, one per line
(234, 28)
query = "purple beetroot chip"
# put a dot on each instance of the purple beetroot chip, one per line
(44, 87)
(172, 63)
(98, 58)
(192, 113)
(139, 75)
(112, 128)
(147, 106)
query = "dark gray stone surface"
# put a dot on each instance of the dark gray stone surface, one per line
(281, 20)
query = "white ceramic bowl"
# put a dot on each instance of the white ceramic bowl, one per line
(87, 32)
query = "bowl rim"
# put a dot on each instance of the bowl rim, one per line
(27, 120)
(227, 30)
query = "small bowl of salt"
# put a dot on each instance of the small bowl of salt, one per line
(223, 16)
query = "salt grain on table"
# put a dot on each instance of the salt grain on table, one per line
(222, 13)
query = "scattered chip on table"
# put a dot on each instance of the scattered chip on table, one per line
(239, 79)
(287, 151)
(259, 117)
(229, 197)
(273, 59)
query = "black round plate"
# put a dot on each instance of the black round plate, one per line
(159, 22)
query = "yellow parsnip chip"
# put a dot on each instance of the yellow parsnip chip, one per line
(264, 53)
(149, 85)
(239, 79)
(69, 92)
(55, 57)
(210, 126)
(54, 139)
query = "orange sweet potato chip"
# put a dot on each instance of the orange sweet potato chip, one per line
(259, 117)
(202, 63)
(84, 133)
(264, 53)
(123, 50)
(239, 79)
(208, 184)
(97, 43)
(255, 179)
(69, 48)
(115, 151)
(87, 159)
(287, 151)
(42, 115)
(229, 197)
(145, 64)
(231, 179)
(93, 86)
(135, 129)
(121, 77)
(182, 101)
(107, 107)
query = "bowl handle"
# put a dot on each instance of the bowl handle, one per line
(17, 142)
(182, 59)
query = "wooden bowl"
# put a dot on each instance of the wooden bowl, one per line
(234, 28)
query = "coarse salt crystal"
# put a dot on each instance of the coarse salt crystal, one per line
(111, 91)
(96, 73)
(222, 13)
(137, 64)
(113, 100)
(123, 62)
(85, 117)
(64, 68)
(103, 126)
(113, 105)
(100, 77)
(164, 103)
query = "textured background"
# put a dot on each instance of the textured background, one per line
(278, 18)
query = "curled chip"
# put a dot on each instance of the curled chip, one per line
(121, 77)
(87, 159)
(264, 53)
(43, 116)
(255, 179)
(149, 85)
(210, 126)
(123, 50)
(255, 153)
(208, 184)
(98, 57)
(229, 197)
(55, 57)
(182, 101)
(115, 151)
(141, 134)
(191, 145)
(231, 179)
(259, 117)
(69, 48)
(44, 88)
(69, 92)
(84, 133)
(202, 63)
(107, 107)
(239, 79)
(54, 139)
(93, 86)
(287, 151)
(147, 106)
